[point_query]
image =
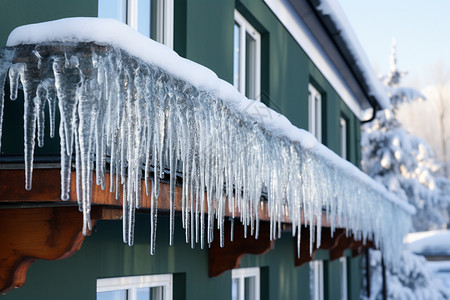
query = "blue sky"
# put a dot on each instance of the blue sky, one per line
(420, 27)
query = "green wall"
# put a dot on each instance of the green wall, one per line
(104, 255)
(204, 33)
(14, 13)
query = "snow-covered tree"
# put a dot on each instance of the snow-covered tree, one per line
(406, 166)
(413, 280)
(402, 162)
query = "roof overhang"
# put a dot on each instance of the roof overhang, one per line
(320, 34)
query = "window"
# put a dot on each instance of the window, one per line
(247, 58)
(155, 287)
(316, 285)
(245, 284)
(343, 134)
(315, 112)
(153, 18)
(344, 286)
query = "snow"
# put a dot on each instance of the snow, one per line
(433, 242)
(335, 12)
(413, 279)
(138, 110)
(441, 270)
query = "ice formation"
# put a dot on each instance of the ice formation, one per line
(138, 119)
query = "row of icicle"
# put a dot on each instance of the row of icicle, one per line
(137, 122)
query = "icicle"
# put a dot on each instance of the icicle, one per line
(6, 56)
(142, 120)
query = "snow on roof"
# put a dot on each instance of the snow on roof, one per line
(297, 171)
(335, 12)
(433, 242)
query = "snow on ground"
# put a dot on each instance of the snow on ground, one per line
(434, 242)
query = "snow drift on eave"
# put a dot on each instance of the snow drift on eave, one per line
(139, 111)
(334, 11)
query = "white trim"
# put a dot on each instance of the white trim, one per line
(287, 15)
(316, 280)
(132, 283)
(243, 273)
(344, 285)
(343, 137)
(247, 28)
(314, 112)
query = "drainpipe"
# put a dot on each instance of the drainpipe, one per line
(375, 107)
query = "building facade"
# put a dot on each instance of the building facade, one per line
(281, 53)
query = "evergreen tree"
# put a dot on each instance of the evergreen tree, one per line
(406, 166)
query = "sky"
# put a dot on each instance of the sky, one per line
(421, 29)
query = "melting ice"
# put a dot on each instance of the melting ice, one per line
(139, 122)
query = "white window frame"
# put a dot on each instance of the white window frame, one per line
(164, 17)
(132, 283)
(343, 133)
(316, 280)
(247, 28)
(344, 284)
(243, 273)
(315, 112)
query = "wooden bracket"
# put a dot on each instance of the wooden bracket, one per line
(343, 242)
(28, 234)
(228, 257)
(305, 255)
(336, 244)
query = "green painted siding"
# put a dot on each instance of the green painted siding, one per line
(14, 13)
(104, 255)
(203, 33)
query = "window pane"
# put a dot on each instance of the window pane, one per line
(250, 292)
(235, 289)
(236, 58)
(157, 293)
(112, 295)
(144, 17)
(150, 293)
(143, 293)
(115, 9)
(250, 66)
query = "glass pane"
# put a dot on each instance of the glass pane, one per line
(115, 9)
(250, 66)
(236, 57)
(150, 293)
(250, 291)
(156, 293)
(157, 20)
(112, 295)
(144, 17)
(143, 293)
(235, 289)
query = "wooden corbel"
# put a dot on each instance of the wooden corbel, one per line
(225, 258)
(29, 234)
